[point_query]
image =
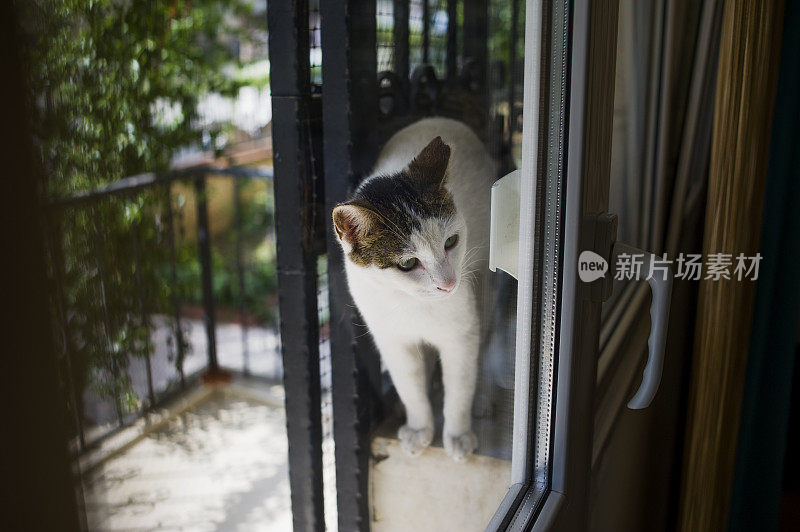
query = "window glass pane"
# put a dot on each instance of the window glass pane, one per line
(430, 491)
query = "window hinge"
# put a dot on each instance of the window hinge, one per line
(595, 260)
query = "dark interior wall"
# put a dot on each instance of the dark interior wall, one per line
(36, 489)
(789, 518)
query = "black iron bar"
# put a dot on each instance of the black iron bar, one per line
(174, 291)
(294, 228)
(475, 37)
(452, 41)
(206, 273)
(141, 298)
(131, 184)
(237, 210)
(349, 100)
(401, 42)
(115, 363)
(110, 351)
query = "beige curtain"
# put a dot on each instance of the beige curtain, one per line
(748, 60)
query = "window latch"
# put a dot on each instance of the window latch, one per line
(642, 266)
(626, 262)
(504, 225)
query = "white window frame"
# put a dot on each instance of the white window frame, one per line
(552, 449)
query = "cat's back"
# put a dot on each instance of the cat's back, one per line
(468, 152)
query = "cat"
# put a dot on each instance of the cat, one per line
(415, 240)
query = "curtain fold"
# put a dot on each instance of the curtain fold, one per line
(749, 48)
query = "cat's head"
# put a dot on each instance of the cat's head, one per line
(403, 230)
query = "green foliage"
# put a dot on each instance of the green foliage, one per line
(500, 21)
(116, 83)
(112, 287)
(114, 91)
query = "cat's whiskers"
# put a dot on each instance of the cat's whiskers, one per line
(470, 277)
(469, 262)
(471, 253)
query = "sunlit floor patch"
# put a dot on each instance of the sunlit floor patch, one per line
(221, 465)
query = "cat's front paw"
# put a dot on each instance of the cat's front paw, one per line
(414, 441)
(460, 446)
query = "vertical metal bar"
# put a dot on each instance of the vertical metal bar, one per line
(426, 31)
(476, 24)
(452, 41)
(297, 278)
(237, 210)
(401, 42)
(349, 121)
(98, 249)
(174, 295)
(57, 257)
(207, 279)
(140, 296)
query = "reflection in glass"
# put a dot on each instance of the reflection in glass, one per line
(486, 94)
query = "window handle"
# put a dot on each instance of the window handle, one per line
(661, 287)
(504, 255)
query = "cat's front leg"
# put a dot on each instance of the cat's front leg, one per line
(406, 365)
(459, 374)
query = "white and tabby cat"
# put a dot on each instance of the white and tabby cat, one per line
(415, 237)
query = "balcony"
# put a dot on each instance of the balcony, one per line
(182, 426)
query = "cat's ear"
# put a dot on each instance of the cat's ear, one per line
(430, 166)
(350, 222)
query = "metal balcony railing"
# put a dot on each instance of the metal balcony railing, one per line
(154, 386)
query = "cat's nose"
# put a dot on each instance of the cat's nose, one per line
(447, 286)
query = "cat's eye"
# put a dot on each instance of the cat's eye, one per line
(407, 264)
(450, 242)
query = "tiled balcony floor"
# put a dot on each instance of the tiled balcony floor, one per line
(220, 465)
